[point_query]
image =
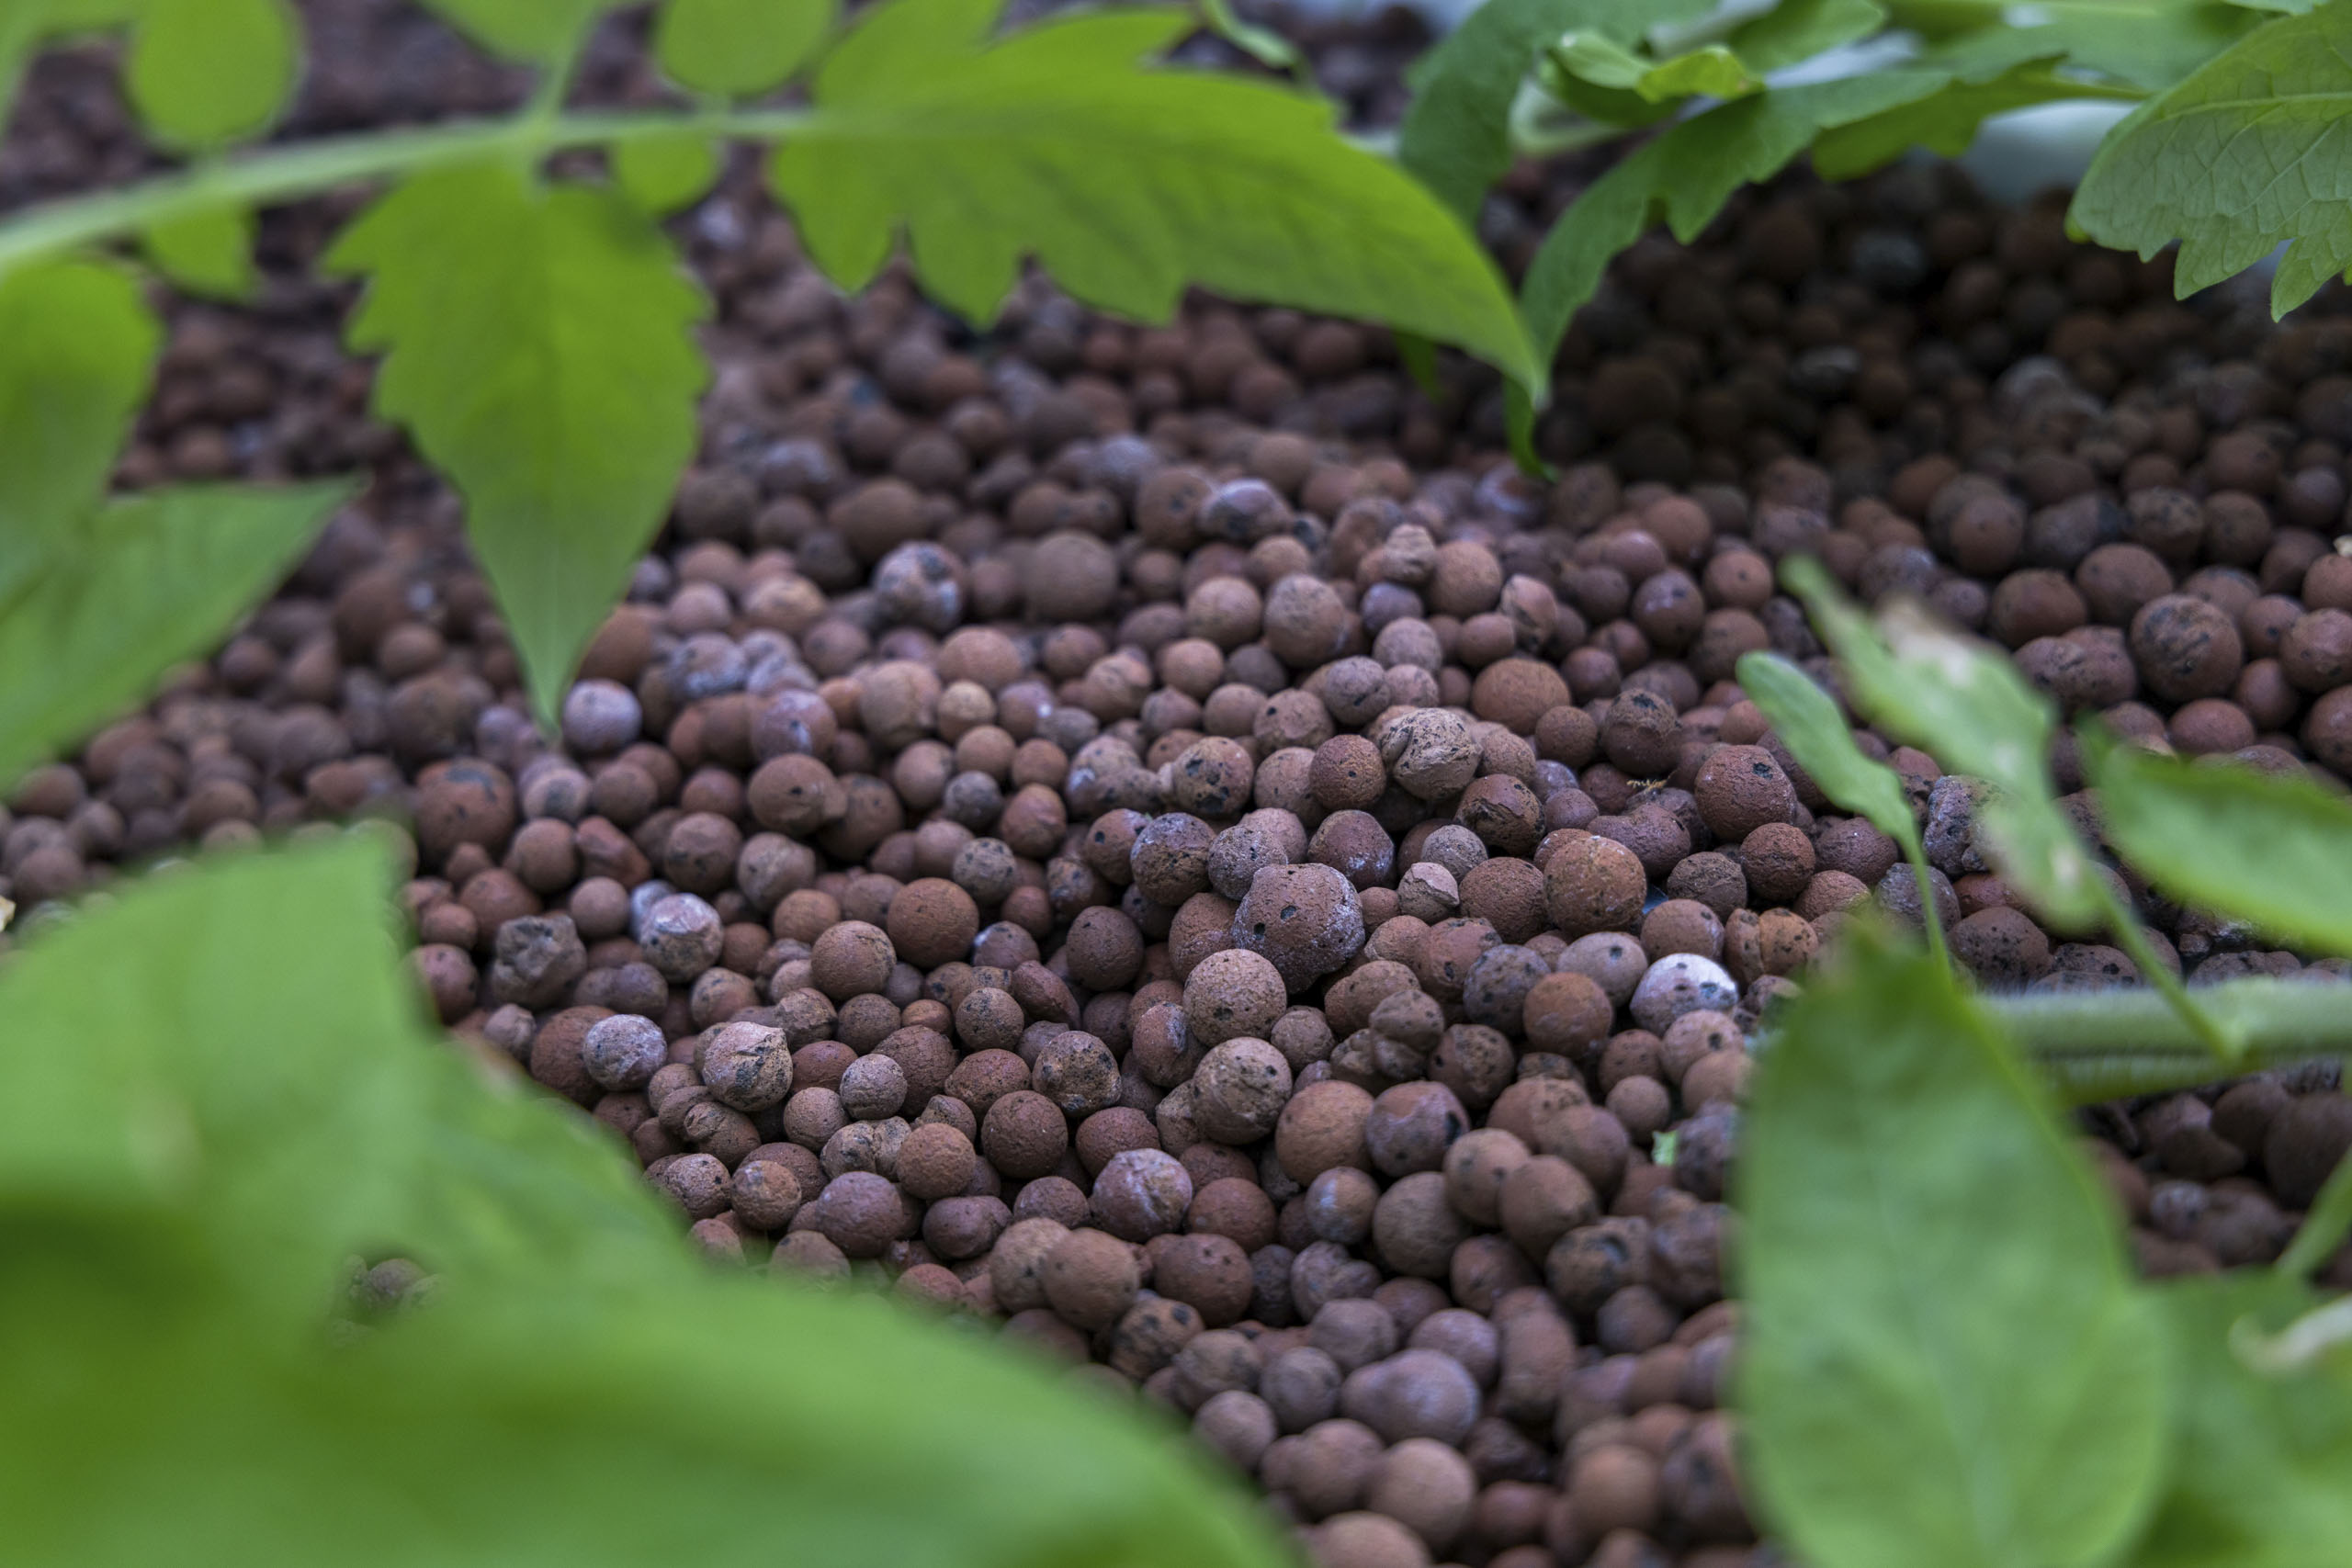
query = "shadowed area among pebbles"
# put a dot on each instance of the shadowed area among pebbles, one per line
(1162, 838)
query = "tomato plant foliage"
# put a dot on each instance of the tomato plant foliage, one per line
(205, 1139)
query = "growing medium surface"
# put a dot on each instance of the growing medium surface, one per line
(1166, 843)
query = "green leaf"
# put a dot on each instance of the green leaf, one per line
(1596, 58)
(208, 252)
(1683, 176)
(2253, 150)
(665, 174)
(203, 1138)
(1456, 133)
(203, 74)
(78, 352)
(1126, 183)
(2275, 850)
(2149, 43)
(539, 348)
(149, 581)
(539, 31)
(2258, 1478)
(1945, 122)
(1944, 1363)
(740, 49)
(1264, 45)
(25, 25)
(1965, 703)
(1807, 720)
(1796, 30)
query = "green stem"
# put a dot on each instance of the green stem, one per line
(2275, 1019)
(1915, 850)
(2228, 1044)
(273, 175)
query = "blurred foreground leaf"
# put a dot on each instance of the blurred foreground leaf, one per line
(2259, 1479)
(223, 1089)
(1945, 1364)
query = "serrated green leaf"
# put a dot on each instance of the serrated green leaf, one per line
(149, 581)
(1683, 176)
(208, 252)
(77, 353)
(203, 74)
(205, 1134)
(2149, 43)
(538, 346)
(665, 174)
(539, 31)
(1964, 704)
(2275, 850)
(1945, 122)
(1456, 133)
(1809, 724)
(1943, 1361)
(2253, 150)
(1126, 182)
(740, 49)
(2257, 1480)
(1796, 30)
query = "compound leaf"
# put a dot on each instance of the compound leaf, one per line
(1456, 133)
(2253, 149)
(203, 74)
(208, 252)
(78, 352)
(1125, 180)
(147, 581)
(539, 347)
(539, 31)
(1684, 176)
(740, 49)
(205, 1136)
(2272, 848)
(1944, 1361)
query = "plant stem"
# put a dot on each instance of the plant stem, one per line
(2226, 1041)
(2103, 1044)
(272, 174)
(1915, 850)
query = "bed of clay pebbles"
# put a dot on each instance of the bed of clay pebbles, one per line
(1162, 840)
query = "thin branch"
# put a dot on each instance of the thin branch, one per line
(272, 174)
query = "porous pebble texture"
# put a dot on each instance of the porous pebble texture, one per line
(1163, 841)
